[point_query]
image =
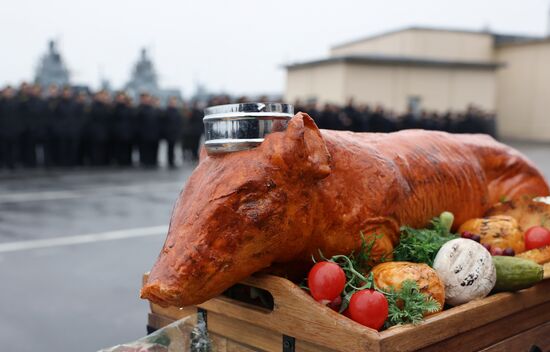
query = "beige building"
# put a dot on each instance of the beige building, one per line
(437, 69)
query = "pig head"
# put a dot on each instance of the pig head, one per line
(235, 213)
(302, 191)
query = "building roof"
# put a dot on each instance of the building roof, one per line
(507, 40)
(500, 38)
(397, 60)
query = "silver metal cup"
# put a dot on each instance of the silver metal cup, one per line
(234, 127)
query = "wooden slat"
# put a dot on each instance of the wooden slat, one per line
(539, 336)
(304, 346)
(172, 312)
(158, 321)
(490, 334)
(218, 342)
(250, 335)
(233, 346)
(253, 337)
(313, 325)
(466, 317)
(297, 314)
(229, 331)
(222, 343)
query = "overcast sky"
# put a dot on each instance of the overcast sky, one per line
(237, 46)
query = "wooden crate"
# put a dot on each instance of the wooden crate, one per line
(502, 322)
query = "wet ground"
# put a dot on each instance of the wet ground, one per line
(73, 247)
(80, 293)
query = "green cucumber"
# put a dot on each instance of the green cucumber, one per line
(515, 274)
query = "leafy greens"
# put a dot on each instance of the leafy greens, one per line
(422, 245)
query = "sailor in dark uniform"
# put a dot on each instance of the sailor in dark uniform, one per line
(408, 120)
(52, 97)
(149, 131)
(329, 119)
(193, 128)
(197, 129)
(11, 129)
(171, 127)
(98, 128)
(66, 129)
(8, 128)
(352, 117)
(123, 129)
(27, 155)
(81, 113)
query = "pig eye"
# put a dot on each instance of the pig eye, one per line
(248, 186)
(257, 186)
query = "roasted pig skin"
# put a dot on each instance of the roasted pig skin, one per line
(304, 190)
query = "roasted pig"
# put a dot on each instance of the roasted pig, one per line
(305, 190)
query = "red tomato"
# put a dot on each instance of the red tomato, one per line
(326, 280)
(369, 307)
(536, 237)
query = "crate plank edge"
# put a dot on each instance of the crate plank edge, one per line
(318, 328)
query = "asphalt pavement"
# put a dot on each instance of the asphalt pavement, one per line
(73, 247)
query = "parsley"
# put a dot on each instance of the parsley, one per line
(408, 305)
(422, 245)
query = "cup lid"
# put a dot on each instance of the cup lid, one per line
(232, 111)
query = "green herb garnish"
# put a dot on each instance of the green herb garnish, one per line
(362, 259)
(422, 245)
(354, 265)
(408, 305)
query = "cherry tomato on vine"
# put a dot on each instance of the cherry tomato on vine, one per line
(536, 237)
(369, 307)
(326, 280)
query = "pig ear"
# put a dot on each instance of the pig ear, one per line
(303, 130)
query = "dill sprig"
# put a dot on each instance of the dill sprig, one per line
(408, 305)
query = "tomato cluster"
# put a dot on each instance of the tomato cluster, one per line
(326, 282)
